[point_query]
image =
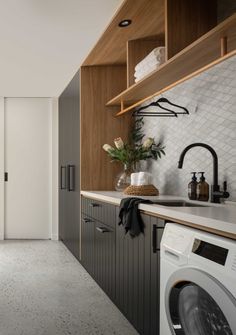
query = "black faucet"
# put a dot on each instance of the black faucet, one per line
(216, 194)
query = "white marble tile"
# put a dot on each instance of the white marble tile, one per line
(213, 122)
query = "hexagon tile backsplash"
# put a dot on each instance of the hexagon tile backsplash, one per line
(211, 100)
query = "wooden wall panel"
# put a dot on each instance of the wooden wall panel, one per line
(99, 124)
(187, 20)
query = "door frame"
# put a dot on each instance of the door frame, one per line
(2, 160)
(53, 168)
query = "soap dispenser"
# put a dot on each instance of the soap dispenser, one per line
(192, 187)
(202, 188)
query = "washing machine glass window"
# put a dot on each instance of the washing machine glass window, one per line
(194, 312)
(198, 304)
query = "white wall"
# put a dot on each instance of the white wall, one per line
(52, 107)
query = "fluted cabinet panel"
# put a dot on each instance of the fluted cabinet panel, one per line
(137, 276)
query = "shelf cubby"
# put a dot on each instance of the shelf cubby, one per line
(210, 49)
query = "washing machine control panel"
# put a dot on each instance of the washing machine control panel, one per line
(176, 244)
(177, 239)
(213, 252)
(183, 245)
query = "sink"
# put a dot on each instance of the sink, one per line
(178, 203)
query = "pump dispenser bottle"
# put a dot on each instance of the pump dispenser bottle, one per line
(202, 188)
(192, 187)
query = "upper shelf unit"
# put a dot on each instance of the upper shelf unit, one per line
(148, 19)
(189, 30)
(160, 19)
(210, 49)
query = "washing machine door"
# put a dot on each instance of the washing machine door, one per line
(197, 304)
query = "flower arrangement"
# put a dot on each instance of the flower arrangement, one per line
(136, 149)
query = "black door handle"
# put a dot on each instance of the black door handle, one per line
(102, 230)
(71, 178)
(6, 176)
(63, 178)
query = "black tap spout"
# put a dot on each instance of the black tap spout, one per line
(215, 161)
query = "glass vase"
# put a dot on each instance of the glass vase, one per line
(123, 179)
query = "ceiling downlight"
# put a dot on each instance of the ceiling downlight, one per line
(125, 23)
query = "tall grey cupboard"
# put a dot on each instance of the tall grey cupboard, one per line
(69, 166)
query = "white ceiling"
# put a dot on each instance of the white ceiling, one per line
(43, 42)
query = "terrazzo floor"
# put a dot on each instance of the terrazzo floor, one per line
(45, 291)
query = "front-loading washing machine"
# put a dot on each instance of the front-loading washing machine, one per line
(198, 283)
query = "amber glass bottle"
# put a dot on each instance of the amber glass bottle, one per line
(202, 189)
(192, 187)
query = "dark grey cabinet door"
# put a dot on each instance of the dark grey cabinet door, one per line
(104, 260)
(88, 241)
(137, 276)
(69, 166)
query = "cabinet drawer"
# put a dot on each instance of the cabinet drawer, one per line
(104, 264)
(87, 243)
(99, 210)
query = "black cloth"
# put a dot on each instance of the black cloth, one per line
(130, 217)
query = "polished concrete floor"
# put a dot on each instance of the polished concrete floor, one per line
(45, 291)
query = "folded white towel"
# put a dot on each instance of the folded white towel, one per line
(146, 68)
(140, 178)
(143, 178)
(156, 55)
(145, 72)
(134, 179)
(139, 76)
(149, 63)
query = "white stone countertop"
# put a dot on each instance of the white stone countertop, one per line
(220, 217)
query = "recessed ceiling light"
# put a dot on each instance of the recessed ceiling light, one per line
(125, 23)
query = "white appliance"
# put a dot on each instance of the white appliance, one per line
(198, 283)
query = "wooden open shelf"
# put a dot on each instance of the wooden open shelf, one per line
(207, 51)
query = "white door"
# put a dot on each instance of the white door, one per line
(27, 162)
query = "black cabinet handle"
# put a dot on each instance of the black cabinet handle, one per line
(85, 220)
(157, 233)
(93, 204)
(71, 178)
(154, 238)
(6, 176)
(63, 178)
(102, 230)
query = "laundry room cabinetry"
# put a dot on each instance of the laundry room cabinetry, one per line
(87, 246)
(98, 243)
(104, 258)
(137, 275)
(69, 166)
(127, 269)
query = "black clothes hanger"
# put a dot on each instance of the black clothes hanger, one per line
(156, 104)
(154, 114)
(162, 99)
(169, 113)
